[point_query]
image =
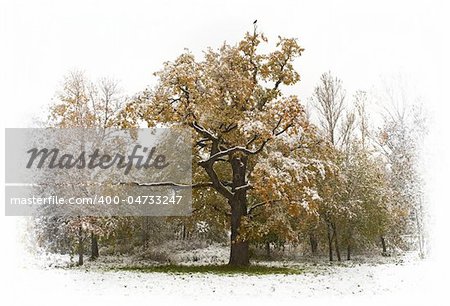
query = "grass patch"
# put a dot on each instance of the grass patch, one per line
(215, 269)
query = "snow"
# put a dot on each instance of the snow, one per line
(339, 280)
(359, 278)
(397, 280)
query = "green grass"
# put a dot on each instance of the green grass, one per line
(214, 269)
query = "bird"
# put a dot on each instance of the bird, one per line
(254, 22)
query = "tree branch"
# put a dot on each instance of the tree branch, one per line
(170, 184)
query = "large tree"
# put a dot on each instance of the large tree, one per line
(242, 124)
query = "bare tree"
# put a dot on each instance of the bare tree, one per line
(360, 100)
(328, 99)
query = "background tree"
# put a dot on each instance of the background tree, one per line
(329, 101)
(81, 103)
(399, 140)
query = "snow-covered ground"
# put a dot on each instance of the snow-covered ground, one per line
(383, 281)
(370, 280)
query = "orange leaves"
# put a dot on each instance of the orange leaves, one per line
(233, 101)
(229, 85)
(384, 136)
(85, 104)
(294, 209)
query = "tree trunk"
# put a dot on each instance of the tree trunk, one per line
(184, 235)
(314, 243)
(330, 241)
(336, 242)
(94, 246)
(80, 246)
(145, 222)
(268, 249)
(420, 235)
(349, 242)
(383, 244)
(239, 248)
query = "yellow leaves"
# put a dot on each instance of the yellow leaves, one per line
(82, 103)
(234, 94)
(279, 65)
(226, 84)
(294, 210)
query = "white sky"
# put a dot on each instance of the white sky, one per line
(360, 41)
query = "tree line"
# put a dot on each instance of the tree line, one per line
(268, 170)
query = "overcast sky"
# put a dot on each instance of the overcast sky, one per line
(359, 41)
